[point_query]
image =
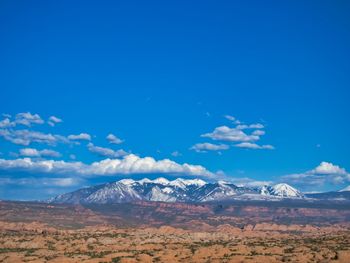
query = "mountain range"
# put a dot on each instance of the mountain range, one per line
(178, 190)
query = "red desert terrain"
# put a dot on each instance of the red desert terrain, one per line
(166, 232)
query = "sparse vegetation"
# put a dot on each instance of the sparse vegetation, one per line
(33, 241)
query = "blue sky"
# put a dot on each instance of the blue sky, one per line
(162, 76)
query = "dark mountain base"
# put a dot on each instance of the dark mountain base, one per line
(184, 215)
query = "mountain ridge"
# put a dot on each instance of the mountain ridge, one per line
(178, 190)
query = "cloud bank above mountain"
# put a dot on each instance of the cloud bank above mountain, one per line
(128, 165)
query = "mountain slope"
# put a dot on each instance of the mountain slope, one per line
(281, 190)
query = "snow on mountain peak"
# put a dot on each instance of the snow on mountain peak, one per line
(144, 180)
(183, 183)
(197, 182)
(264, 190)
(161, 180)
(127, 181)
(285, 190)
(221, 182)
(179, 182)
(178, 190)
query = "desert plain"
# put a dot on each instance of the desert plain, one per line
(163, 232)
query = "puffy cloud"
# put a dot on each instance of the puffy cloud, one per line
(328, 168)
(26, 137)
(81, 136)
(31, 152)
(203, 147)
(129, 164)
(249, 145)
(106, 152)
(113, 139)
(6, 123)
(224, 133)
(54, 120)
(27, 119)
(324, 173)
(240, 134)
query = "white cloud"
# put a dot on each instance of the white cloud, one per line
(256, 126)
(203, 147)
(106, 152)
(54, 120)
(30, 181)
(248, 182)
(328, 168)
(224, 133)
(26, 137)
(229, 117)
(6, 123)
(113, 139)
(324, 173)
(63, 182)
(27, 119)
(258, 132)
(81, 136)
(242, 127)
(176, 154)
(129, 164)
(31, 152)
(249, 145)
(245, 135)
(251, 126)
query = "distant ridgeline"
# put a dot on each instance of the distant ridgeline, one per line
(181, 190)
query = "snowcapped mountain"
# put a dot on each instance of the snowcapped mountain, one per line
(219, 191)
(182, 183)
(178, 190)
(281, 190)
